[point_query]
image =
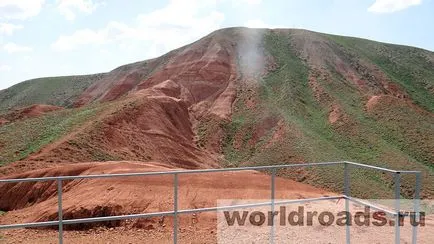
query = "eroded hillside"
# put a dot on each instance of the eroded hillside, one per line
(243, 97)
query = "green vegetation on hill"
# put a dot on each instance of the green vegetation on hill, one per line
(407, 66)
(403, 126)
(281, 118)
(21, 138)
(59, 91)
(398, 137)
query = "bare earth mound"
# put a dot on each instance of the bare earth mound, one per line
(117, 196)
(32, 111)
(126, 195)
(28, 202)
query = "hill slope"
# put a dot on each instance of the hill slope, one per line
(58, 91)
(244, 97)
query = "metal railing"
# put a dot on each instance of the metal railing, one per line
(347, 196)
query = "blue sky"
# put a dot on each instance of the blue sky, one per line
(41, 38)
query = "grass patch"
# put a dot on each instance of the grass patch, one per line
(406, 66)
(285, 93)
(22, 138)
(59, 91)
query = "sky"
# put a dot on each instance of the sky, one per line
(40, 38)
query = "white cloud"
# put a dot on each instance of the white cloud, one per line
(390, 6)
(5, 67)
(179, 23)
(176, 24)
(104, 52)
(255, 23)
(258, 23)
(8, 29)
(251, 2)
(113, 31)
(78, 38)
(15, 48)
(20, 9)
(69, 8)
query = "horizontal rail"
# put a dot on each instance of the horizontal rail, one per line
(383, 169)
(409, 171)
(166, 213)
(175, 212)
(390, 212)
(171, 172)
(249, 205)
(29, 225)
(197, 171)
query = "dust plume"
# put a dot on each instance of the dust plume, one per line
(251, 53)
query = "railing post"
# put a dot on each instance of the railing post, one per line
(397, 180)
(273, 196)
(60, 209)
(416, 206)
(175, 208)
(347, 201)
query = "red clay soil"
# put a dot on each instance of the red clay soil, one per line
(150, 125)
(3, 121)
(132, 195)
(318, 90)
(166, 99)
(258, 131)
(205, 70)
(119, 81)
(32, 111)
(381, 102)
(319, 50)
(128, 195)
(372, 103)
(278, 134)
